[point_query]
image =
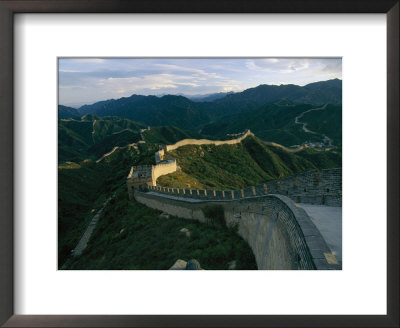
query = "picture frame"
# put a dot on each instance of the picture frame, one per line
(7, 10)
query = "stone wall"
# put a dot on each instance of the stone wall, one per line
(320, 187)
(159, 155)
(314, 187)
(185, 142)
(145, 176)
(140, 175)
(281, 235)
(163, 168)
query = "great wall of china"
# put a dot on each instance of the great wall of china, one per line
(278, 230)
(148, 174)
(322, 187)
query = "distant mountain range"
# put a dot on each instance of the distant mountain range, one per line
(151, 110)
(185, 113)
(268, 110)
(209, 97)
(67, 112)
(277, 122)
(317, 93)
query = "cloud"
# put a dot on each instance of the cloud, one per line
(332, 66)
(277, 65)
(84, 60)
(194, 72)
(152, 82)
(93, 79)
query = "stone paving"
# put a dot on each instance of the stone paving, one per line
(328, 220)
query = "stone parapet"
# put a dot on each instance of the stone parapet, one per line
(314, 187)
(280, 233)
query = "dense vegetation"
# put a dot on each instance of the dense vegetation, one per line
(327, 122)
(241, 165)
(84, 186)
(75, 204)
(186, 114)
(67, 112)
(91, 136)
(151, 110)
(276, 122)
(167, 135)
(268, 110)
(132, 236)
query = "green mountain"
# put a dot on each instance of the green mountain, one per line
(326, 122)
(210, 97)
(91, 136)
(315, 94)
(151, 110)
(277, 122)
(184, 113)
(241, 165)
(65, 112)
(83, 186)
(168, 135)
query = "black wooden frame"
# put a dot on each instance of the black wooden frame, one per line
(7, 10)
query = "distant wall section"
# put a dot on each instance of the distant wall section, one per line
(199, 142)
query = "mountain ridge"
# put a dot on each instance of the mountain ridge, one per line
(185, 113)
(65, 112)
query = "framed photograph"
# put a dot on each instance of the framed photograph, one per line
(255, 145)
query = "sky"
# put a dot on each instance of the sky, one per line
(87, 80)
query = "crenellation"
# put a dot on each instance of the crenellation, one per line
(259, 190)
(301, 188)
(238, 193)
(218, 194)
(247, 192)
